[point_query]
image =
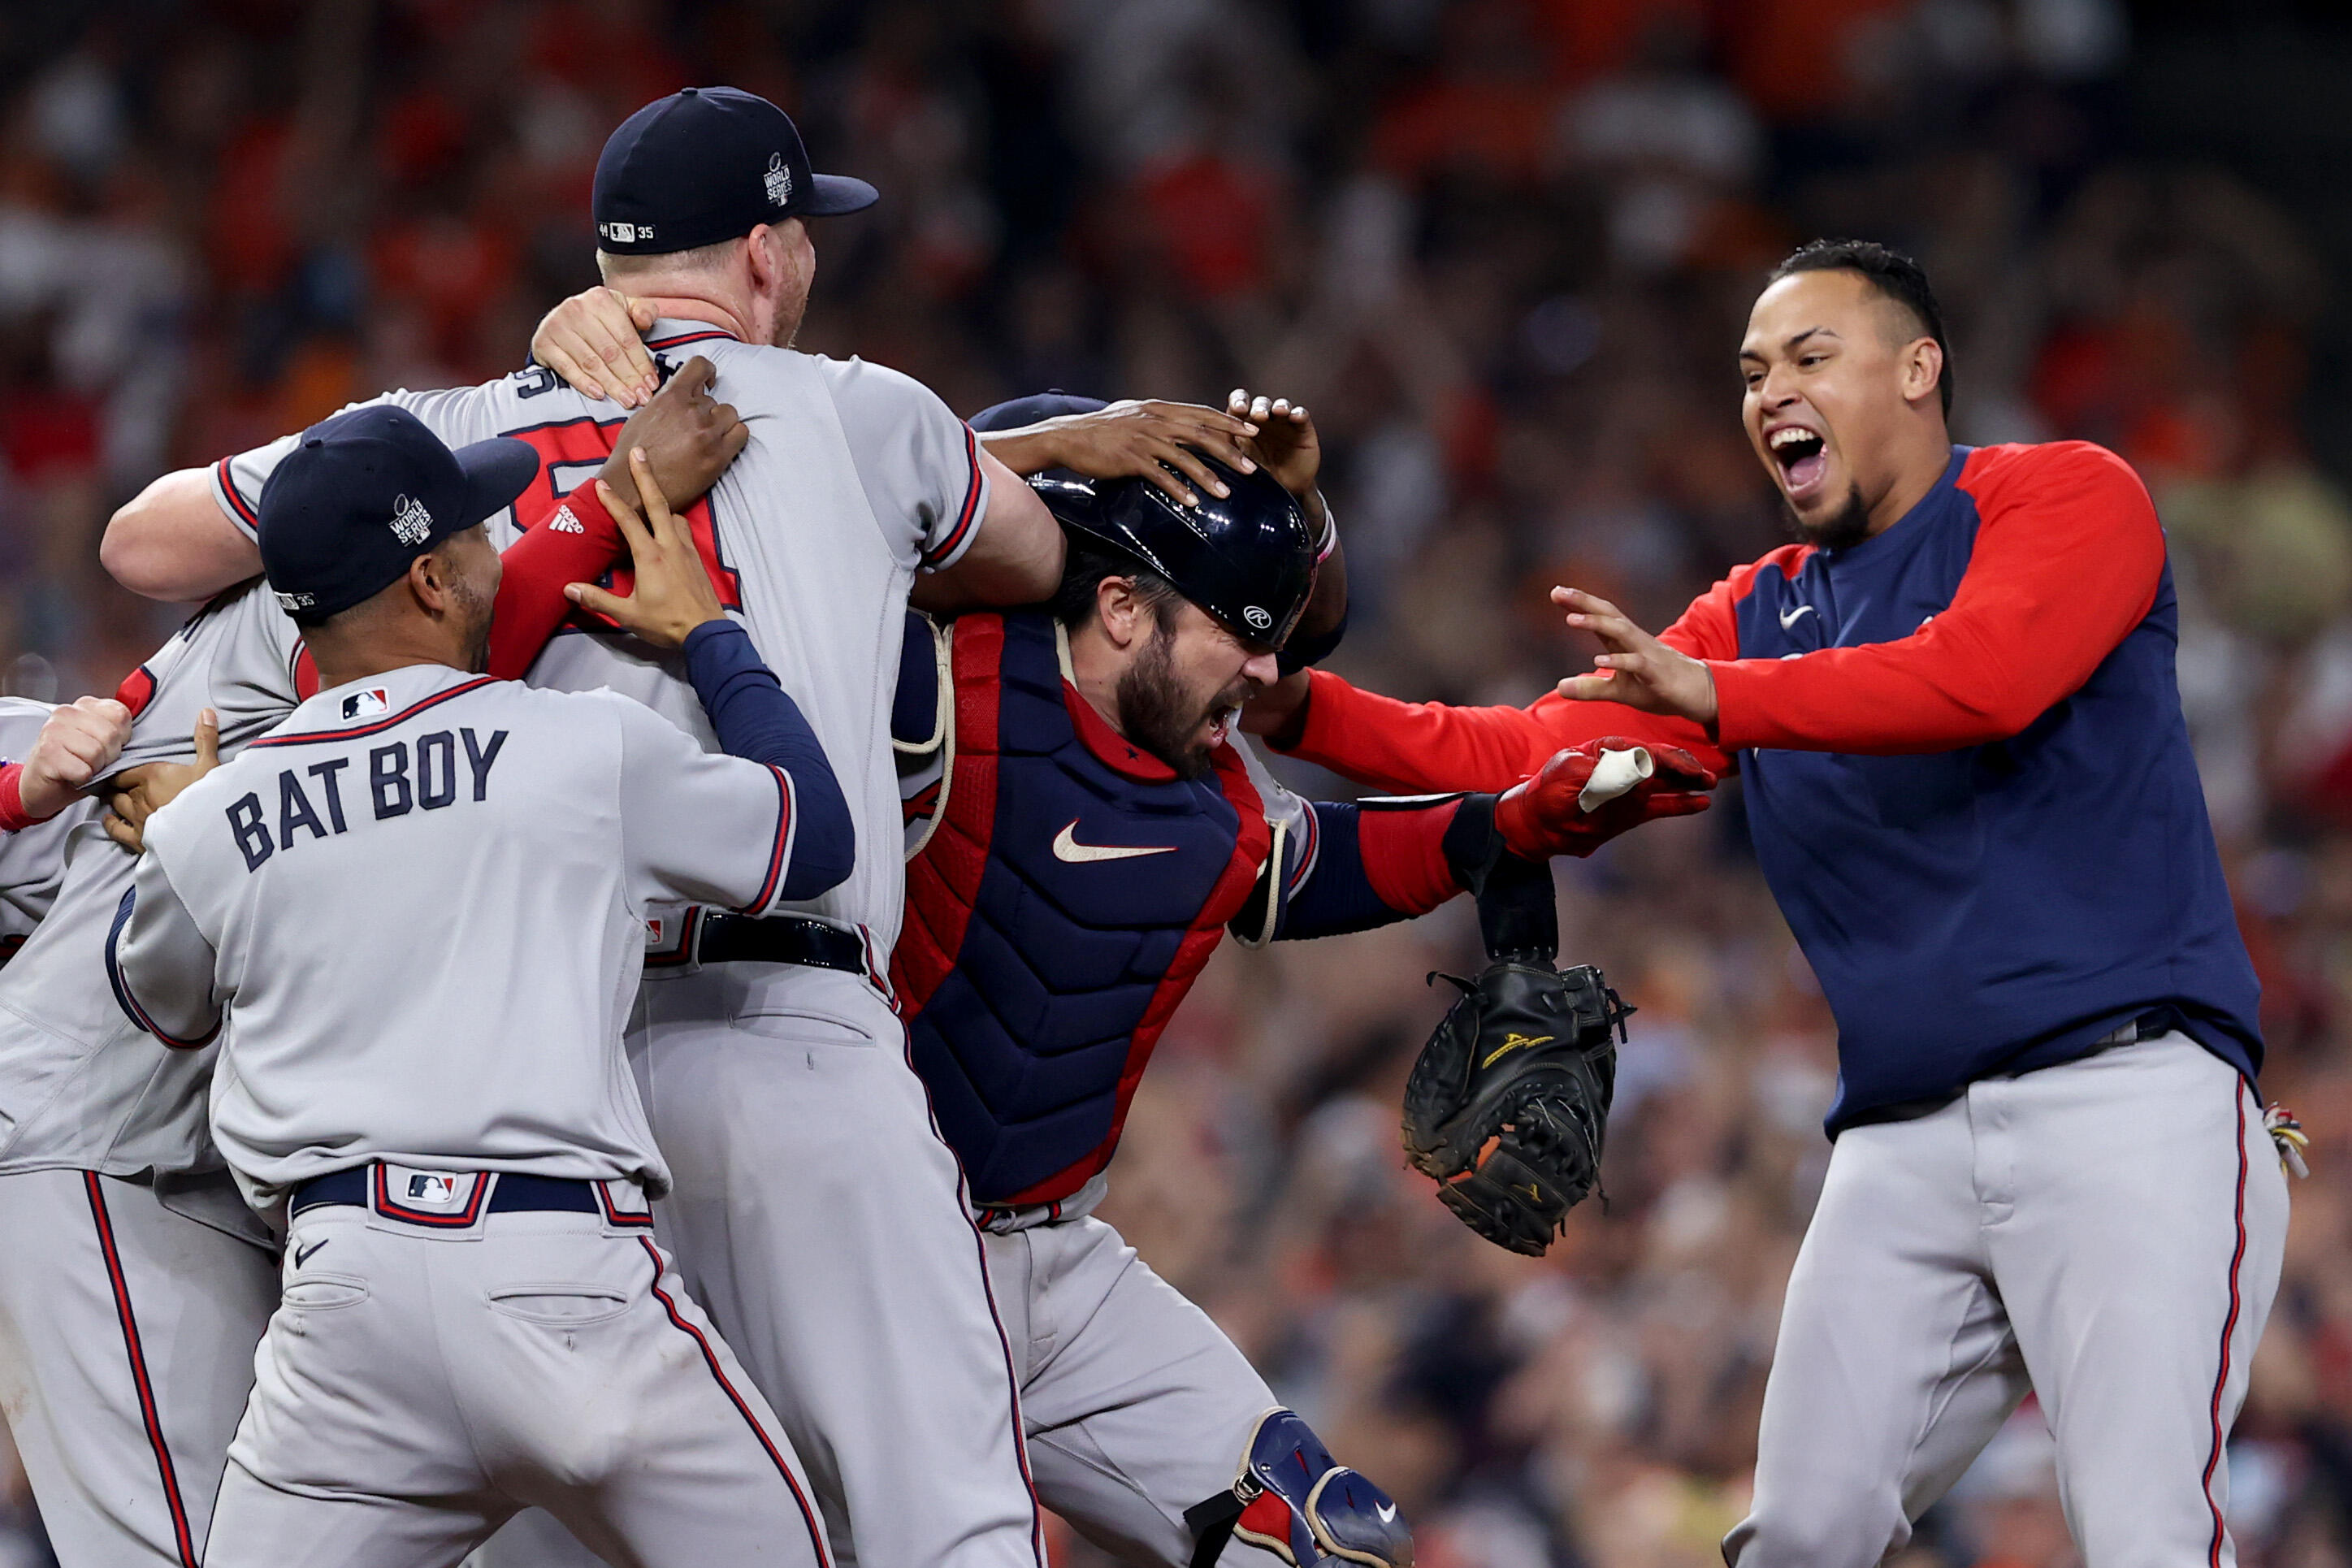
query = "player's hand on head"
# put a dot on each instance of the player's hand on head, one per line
(596, 342)
(1285, 445)
(134, 795)
(687, 435)
(671, 594)
(78, 742)
(1634, 668)
(1156, 441)
(1588, 793)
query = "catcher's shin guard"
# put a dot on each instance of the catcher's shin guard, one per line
(1294, 1500)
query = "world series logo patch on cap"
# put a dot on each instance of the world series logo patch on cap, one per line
(779, 180)
(410, 522)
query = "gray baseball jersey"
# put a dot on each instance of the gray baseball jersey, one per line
(32, 860)
(420, 903)
(855, 477)
(80, 1088)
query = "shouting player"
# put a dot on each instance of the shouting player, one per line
(1970, 789)
(1085, 831)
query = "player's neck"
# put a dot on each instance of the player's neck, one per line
(342, 660)
(1924, 450)
(691, 308)
(1095, 669)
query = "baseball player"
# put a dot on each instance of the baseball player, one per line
(1971, 792)
(422, 1065)
(126, 1332)
(814, 1209)
(1084, 827)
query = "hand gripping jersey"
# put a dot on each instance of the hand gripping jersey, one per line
(32, 860)
(1967, 776)
(853, 479)
(420, 902)
(80, 1087)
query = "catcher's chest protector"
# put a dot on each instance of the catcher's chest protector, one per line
(1070, 890)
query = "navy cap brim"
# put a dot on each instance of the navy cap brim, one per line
(496, 471)
(833, 195)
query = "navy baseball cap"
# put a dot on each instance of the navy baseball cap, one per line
(707, 165)
(368, 491)
(1038, 406)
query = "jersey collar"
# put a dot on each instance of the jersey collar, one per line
(676, 332)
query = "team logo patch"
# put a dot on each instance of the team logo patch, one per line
(778, 181)
(362, 704)
(410, 522)
(1257, 618)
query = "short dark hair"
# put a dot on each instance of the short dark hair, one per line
(1895, 275)
(1082, 577)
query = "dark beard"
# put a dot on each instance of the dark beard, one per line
(1152, 710)
(1841, 530)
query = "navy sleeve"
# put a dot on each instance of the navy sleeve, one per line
(757, 719)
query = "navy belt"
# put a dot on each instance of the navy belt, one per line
(778, 939)
(513, 1194)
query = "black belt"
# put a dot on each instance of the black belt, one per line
(515, 1193)
(778, 939)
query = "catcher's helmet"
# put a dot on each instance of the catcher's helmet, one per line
(1247, 559)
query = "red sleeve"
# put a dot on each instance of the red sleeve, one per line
(560, 543)
(1414, 746)
(2067, 560)
(1404, 857)
(12, 798)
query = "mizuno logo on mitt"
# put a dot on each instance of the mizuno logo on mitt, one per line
(1512, 1043)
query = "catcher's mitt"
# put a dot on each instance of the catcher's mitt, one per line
(1508, 1102)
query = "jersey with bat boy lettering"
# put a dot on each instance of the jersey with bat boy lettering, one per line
(854, 478)
(468, 1006)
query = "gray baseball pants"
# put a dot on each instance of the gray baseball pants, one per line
(2106, 1233)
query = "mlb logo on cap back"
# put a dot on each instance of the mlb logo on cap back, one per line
(707, 164)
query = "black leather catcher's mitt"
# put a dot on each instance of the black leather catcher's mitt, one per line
(1509, 1103)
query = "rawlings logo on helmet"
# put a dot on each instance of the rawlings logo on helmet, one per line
(1259, 619)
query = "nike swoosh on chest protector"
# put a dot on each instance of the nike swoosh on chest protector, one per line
(1068, 847)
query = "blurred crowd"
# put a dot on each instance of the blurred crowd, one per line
(1503, 249)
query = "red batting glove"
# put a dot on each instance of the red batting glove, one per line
(1539, 817)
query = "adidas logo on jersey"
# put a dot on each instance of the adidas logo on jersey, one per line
(410, 522)
(360, 704)
(564, 522)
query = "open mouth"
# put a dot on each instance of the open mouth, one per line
(1803, 457)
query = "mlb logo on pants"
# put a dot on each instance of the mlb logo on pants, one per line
(429, 1197)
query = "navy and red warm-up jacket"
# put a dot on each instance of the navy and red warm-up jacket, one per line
(1967, 776)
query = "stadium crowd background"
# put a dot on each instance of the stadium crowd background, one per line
(1503, 249)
